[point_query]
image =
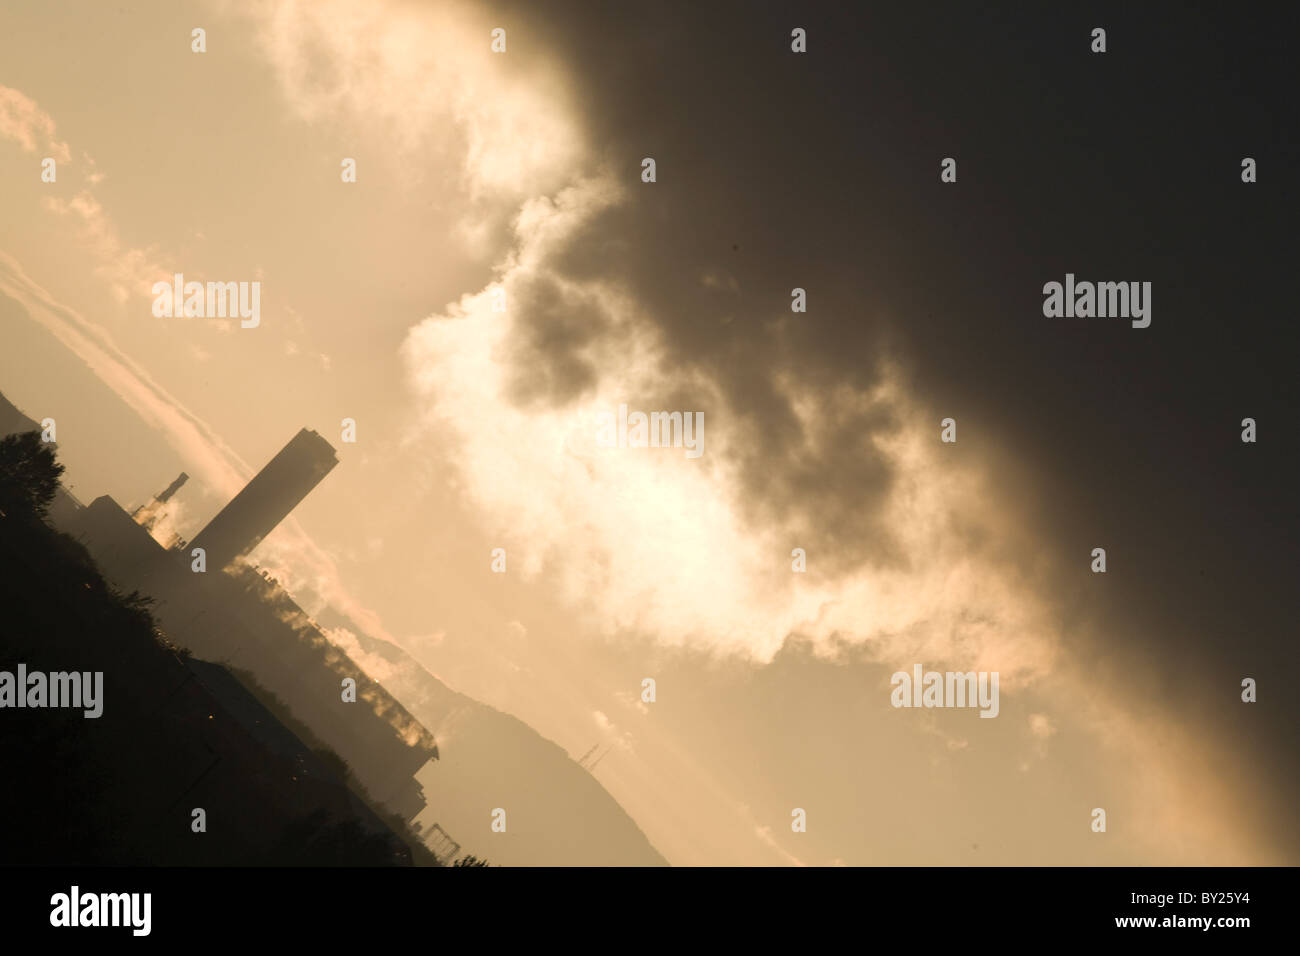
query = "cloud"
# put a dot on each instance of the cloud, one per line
(631, 700)
(764, 833)
(128, 271)
(648, 540)
(22, 121)
(621, 739)
(210, 458)
(425, 77)
(1040, 725)
(617, 293)
(687, 551)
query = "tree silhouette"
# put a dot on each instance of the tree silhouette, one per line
(29, 475)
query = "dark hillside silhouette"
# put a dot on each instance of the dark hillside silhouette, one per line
(175, 733)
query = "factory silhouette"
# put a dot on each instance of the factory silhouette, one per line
(245, 620)
(253, 653)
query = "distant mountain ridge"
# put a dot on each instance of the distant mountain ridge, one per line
(558, 813)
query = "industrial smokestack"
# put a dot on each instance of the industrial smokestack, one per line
(146, 516)
(172, 488)
(267, 499)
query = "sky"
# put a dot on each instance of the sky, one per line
(488, 179)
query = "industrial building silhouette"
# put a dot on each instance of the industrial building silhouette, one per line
(244, 620)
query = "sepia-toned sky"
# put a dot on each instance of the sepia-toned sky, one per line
(521, 171)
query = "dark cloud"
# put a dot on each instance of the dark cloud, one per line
(822, 171)
(551, 359)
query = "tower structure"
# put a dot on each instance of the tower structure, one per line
(266, 500)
